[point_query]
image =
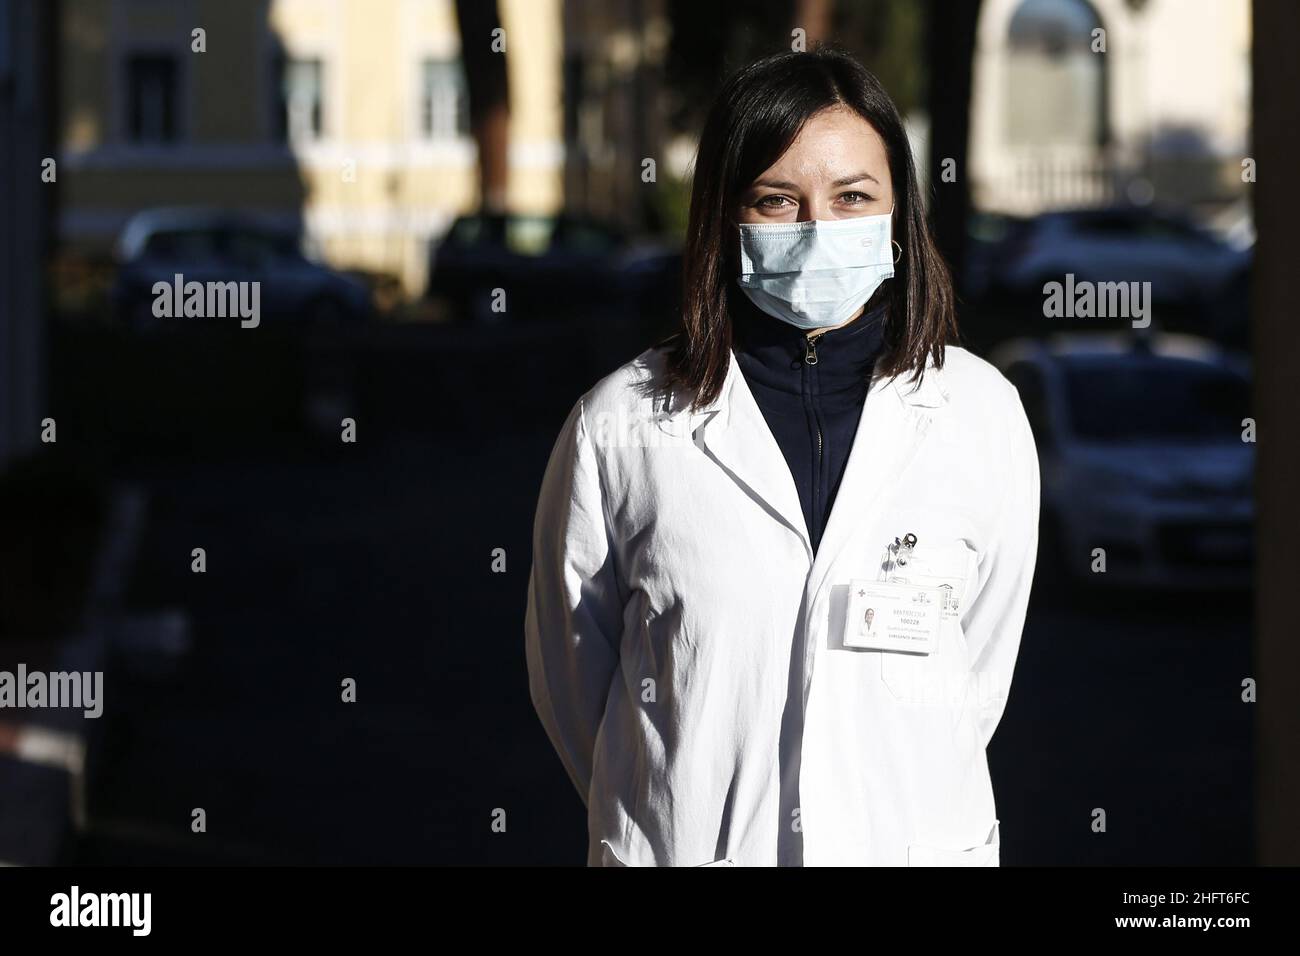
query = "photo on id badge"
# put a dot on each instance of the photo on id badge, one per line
(893, 616)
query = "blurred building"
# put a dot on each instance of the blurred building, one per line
(1163, 113)
(348, 119)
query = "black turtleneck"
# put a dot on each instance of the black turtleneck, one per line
(811, 393)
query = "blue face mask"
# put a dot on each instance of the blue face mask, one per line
(815, 274)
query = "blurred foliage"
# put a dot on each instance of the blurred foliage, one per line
(712, 40)
(672, 207)
(78, 283)
(888, 37)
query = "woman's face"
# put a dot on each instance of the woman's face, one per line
(836, 168)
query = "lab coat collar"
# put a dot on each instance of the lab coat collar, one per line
(733, 431)
(888, 438)
(930, 392)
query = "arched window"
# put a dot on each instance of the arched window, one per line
(1056, 84)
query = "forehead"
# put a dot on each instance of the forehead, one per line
(831, 144)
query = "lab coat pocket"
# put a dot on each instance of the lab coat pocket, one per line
(943, 675)
(985, 854)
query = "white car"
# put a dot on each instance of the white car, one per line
(1143, 454)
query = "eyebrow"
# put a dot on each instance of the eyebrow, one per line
(842, 181)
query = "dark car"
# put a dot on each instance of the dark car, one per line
(1192, 271)
(212, 246)
(1142, 454)
(549, 267)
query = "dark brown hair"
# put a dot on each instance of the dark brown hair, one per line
(755, 118)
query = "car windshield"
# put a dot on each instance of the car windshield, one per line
(247, 244)
(219, 242)
(533, 235)
(182, 244)
(525, 235)
(1158, 399)
(1130, 226)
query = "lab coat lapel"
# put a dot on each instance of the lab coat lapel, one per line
(736, 436)
(893, 424)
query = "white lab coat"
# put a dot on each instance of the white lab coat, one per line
(685, 649)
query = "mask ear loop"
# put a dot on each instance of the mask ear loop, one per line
(893, 242)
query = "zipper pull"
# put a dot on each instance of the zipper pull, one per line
(810, 350)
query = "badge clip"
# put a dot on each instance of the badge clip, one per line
(899, 552)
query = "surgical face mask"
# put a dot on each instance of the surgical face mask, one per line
(815, 274)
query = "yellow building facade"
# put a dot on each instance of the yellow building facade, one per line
(347, 118)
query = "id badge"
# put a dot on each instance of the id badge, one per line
(893, 616)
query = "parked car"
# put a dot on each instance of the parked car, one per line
(1190, 269)
(1141, 449)
(208, 245)
(549, 266)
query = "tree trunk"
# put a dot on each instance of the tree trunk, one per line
(815, 17)
(950, 31)
(1277, 370)
(28, 112)
(489, 97)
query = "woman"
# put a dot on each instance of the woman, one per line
(719, 514)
